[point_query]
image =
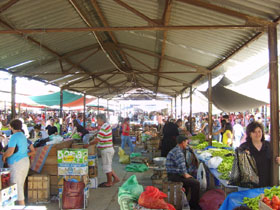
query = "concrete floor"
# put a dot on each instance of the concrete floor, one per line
(107, 198)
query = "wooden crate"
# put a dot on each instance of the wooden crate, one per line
(175, 193)
(38, 188)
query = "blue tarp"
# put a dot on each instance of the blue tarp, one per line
(236, 198)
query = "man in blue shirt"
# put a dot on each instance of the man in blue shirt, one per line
(177, 171)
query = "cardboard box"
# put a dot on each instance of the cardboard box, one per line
(92, 160)
(70, 169)
(72, 156)
(263, 206)
(93, 183)
(38, 188)
(8, 195)
(92, 171)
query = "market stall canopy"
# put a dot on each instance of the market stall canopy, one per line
(54, 99)
(230, 101)
(79, 102)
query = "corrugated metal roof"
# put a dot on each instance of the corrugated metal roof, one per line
(202, 47)
(268, 9)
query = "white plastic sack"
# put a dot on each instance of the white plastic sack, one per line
(201, 177)
(214, 162)
(205, 156)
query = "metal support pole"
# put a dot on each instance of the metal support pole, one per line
(61, 110)
(210, 108)
(190, 118)
(13, 105)
(274, 104)
(182, 106)
(84, 115)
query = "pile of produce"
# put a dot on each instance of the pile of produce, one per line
(200, 136)
(203, 145)
(271, 198)
(225, 167)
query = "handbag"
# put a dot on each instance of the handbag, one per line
(244, 171)
(73, 195)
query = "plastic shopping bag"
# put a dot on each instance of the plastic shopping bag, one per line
(212, 199)
(214, 162)
(201, 177)
(124, 159)
(154, 199)
(131, 187)
(134, 167)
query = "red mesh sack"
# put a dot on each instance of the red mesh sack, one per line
(212, 199)
(154, 199)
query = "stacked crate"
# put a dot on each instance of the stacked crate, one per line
(38, 188)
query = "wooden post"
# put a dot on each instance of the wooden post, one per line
(171, 107)
(19, 109)
(107, 109)
(210, 108)
(61, 110)
(190, 118)
(182, 106)
(84, 115)
(13, 100)
(175, 107)
(274, 104)
(97, 105)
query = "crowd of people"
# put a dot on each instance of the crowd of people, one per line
(237, 131)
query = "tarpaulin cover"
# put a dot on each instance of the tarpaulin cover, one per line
(230, 101)
(79, 102)
(54, 99)
(236, 198)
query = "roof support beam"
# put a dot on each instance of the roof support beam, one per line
(135, 28)
(82, 60)
(223, 10)
(47, 48)
(167, 12)
(137, 60)
(199, 69)
(136, 12)
(7, 5)
(105, 23)
(87, 21)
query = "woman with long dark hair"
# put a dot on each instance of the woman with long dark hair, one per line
(260, 149)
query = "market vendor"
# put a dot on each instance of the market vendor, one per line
(177, 171)
(104, 142)
(18, 160)
(261, 151)
(80, 129)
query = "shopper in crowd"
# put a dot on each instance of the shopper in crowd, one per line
(227, 135)
(52, 130)
(80, 129)
(170, 132)
(261, 151)
(126, 135)
(238, 132)
(104, 142)
(57, 125)
(18, 161)
(216, 128)
(40, 133)
(177, 171)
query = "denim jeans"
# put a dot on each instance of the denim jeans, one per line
(126, 139)
(86, 139)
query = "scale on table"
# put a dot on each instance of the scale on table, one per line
(159, 169)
